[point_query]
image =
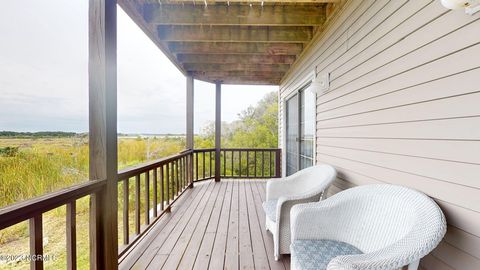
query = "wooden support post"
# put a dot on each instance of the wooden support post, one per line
(218, 127)
(190, 115)
(190, 127)
(103, 132)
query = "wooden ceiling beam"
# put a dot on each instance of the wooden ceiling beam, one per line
(272, 15)
(236, 58)
(250, 78)
(259, 68)
(235, 48)
(190, 33)
(242, 2)
(239, 73)
(243, 80)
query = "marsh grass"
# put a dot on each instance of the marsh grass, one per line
(40, 166)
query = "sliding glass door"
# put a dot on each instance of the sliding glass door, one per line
(300, 131)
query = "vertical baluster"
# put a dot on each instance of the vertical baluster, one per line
(162, 189)
(155, 183)
(196, 166)
(180, 173)
(210, 157)
(203, 157)
(248, 164)
(263, 164)
(224, 163)
(36, 241)
(182, 181)
(255, 163)
(125, 212)
(240, 163)
(190, 169)
(71, 226)
(147, 197)
(172, 178)
(232, 163)
(271, 164)
(137, 204)
(167, 182)
(278, 161)
(184, 171)
(177, 176)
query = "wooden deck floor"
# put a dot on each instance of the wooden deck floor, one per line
(212, 226)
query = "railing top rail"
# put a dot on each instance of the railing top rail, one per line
(236, 149)
(250, 149)
(203, 150)
(141, 168)
(21, 211)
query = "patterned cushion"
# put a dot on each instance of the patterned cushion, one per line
(270, 208)
(316, 254)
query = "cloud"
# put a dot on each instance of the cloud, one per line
(44, 82)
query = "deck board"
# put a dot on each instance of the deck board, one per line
(231, 252)
(220, 226)
(147, 248)
(221, 232)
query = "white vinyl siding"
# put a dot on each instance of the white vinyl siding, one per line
(403, 108)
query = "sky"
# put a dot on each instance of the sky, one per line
(44, 75)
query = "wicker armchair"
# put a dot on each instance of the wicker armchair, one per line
(305, 186)
(367, 227)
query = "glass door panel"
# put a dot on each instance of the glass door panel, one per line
(292, 135)
(307, 128)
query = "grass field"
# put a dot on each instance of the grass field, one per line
(33, 166)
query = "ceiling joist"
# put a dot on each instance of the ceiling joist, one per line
(236, 67)
(236, 58)
(277, 15)
(236, 48)
(238, 73)
(190, 33)
(241, 2)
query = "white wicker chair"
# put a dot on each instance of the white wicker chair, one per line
(375, 226)
(305, 186)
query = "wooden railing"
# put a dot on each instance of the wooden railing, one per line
(33, 209)
(237, 163)
(149, 189)
(160, 182)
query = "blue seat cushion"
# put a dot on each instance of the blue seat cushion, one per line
(270, 208)
(316, 254)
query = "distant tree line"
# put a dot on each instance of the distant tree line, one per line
(41, 134)
(257, 127)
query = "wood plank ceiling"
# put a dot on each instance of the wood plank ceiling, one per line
(235, 42)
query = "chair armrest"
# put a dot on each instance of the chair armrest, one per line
(310, 181)
(277, 188)
(285, 203)
(402, 253)
(312, 220)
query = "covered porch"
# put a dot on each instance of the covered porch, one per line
(182, 211)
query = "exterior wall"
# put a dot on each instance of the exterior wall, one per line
(404, 108)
